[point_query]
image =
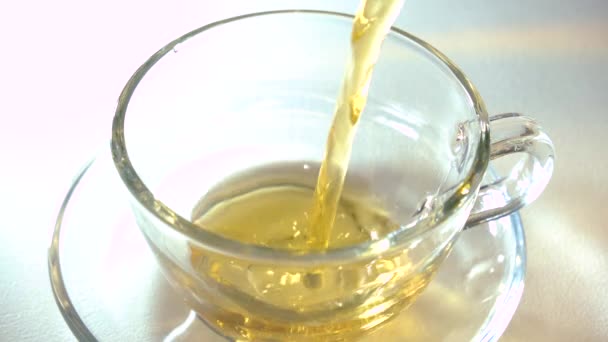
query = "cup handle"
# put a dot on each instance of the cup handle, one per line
(512, 133)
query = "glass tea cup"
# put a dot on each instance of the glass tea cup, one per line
(245, 104)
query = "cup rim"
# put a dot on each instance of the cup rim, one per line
(224, 246)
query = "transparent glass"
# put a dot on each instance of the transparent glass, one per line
(241, 94)
(108, 285)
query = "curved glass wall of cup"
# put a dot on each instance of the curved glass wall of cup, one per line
(244, 94)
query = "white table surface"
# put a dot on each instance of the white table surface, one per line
(64, 62)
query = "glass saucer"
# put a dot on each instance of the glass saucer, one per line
(109, 288)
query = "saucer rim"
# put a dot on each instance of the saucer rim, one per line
(492, 328)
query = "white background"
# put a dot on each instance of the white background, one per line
(63, 64)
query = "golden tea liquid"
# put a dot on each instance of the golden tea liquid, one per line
(279, 217)
(371, 24)
(269, 301)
